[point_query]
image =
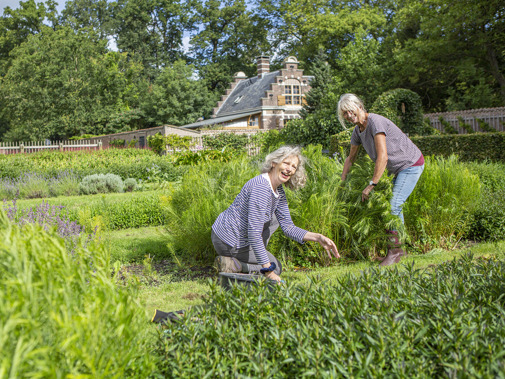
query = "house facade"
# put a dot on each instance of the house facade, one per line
(265, 101)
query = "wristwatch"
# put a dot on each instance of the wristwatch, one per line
(372, 183)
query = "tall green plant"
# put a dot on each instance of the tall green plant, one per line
(62, 315)
(205, 191)
(438, 212)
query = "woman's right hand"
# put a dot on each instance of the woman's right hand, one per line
(272, 275)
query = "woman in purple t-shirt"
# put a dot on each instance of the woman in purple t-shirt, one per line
(389, 148)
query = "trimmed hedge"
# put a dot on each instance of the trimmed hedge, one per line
(469, 147)
(408, 118)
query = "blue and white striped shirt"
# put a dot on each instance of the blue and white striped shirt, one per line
(242, 223)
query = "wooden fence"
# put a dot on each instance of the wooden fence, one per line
(495, 117)
(32, 147)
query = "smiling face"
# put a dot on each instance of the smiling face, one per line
(282, 172)
(356, 116)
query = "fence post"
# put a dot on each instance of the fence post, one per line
(100, 145)
(61, 146)
(21, 147)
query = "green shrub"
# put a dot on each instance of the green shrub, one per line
(438, 212)
(315, 130)
(446, 322)
(101, 183)
(448, 128)
(228, 140)
(488, 223)
(127, 163)
(403, 107)
(130, 185)
(159, 143)
(485, 126)
(63, 315)
(117, 143)
(192, 158)
(111, 211)
(270, 140)
(468, 128)
(469, 147)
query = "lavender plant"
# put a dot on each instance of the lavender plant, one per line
(50, 217)
(30, 185)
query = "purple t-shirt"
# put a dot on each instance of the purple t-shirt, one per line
(402, 153)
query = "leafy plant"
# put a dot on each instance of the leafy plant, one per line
(63, 313)
(101, 183)
(130, 185)
(447, 126)
(382, 323)
(468, 128)
(485, 126)
(438, 212)
(117, 143)
(227, 140)
(403, 107)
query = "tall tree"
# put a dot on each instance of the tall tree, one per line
(303, 27)
(17, 24)
(65, 83)
(229, 39)
(151, 30)
(443, 48)
(176, 98)
(92, 14)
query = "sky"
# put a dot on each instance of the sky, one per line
(15, 4)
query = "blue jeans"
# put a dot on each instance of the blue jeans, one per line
(403, 185)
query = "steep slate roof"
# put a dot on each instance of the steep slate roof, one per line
(251, 90)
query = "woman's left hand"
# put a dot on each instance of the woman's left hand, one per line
(329, 246)
(324, 241)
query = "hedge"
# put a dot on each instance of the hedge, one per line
(469, 147)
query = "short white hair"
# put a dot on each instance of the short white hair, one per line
(348, 102)
(299, 178)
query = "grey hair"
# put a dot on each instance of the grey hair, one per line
(348, 102)
(299, 177)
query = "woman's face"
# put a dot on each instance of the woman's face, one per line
(355, 116)
(282, 172)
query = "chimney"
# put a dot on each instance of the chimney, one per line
(263, 63)
(239, 76)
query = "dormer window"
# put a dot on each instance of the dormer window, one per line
(292, 92)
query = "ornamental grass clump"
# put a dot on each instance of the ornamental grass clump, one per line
(439, 211)
(194, 204)
(446, 321)
(62, 315)
(334, 208)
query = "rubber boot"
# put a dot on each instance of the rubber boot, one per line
(395, 251)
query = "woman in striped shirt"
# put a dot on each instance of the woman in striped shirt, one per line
(241, 233)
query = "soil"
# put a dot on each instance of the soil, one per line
(164, 271)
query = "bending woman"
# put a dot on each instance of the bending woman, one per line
(241, 233)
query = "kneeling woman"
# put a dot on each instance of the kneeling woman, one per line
(241, 233)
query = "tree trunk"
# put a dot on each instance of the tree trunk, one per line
(495, 69)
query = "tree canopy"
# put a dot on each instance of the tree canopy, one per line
(106, 66)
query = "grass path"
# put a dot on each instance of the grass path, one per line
(172, 287)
